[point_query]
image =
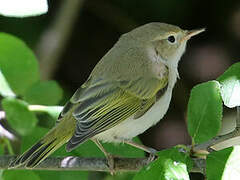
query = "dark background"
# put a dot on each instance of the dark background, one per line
(97, 25)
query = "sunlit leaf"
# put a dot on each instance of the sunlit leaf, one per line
(230, 86)
(23, 8)
(5, 89)
(53, 111)
(224, 164)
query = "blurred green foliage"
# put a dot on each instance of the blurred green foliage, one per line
(44, 93)
(205, 103)
(19, 75)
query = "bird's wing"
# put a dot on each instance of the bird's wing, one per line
(101, 105)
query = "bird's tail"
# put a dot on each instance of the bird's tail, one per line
(44, 147)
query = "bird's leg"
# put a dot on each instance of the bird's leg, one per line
(149, 150)
(109, 157)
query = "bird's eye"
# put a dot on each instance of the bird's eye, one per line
(171, 39)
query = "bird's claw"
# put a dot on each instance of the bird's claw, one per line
(110, 162)
(152, 155)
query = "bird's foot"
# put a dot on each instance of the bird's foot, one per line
(152, 155)
(110, 162)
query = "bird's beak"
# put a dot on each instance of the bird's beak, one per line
(191, 33)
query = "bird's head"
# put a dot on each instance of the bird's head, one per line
(167, 41)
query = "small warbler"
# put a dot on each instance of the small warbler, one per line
(127, 92)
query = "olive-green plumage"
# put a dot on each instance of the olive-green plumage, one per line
(128, 91)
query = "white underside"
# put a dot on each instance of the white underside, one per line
(131, 127)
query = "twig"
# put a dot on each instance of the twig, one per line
(72, 163)
(219, 139)
(199, 165)
(54, 40)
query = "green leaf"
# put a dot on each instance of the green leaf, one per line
(89, 149)
(23, 8)
(1, 174)
(171, 165)
(19, 116)
(230, 86)
(224, 164)
(204, 111)
(44, 92)
(20, 175)
(17, 63)
(122, 176)
(125, 150)
(5, 89)
(63, 175)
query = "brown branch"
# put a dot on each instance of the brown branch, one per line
(238, 118)
(71, 163)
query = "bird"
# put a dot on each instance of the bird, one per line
(127, 92)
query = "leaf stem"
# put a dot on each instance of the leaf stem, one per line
(42, 108)
(9, 146)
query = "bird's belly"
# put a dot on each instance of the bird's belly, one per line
(131, 127)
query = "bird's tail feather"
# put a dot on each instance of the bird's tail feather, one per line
(42, 149)
(37, 153)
